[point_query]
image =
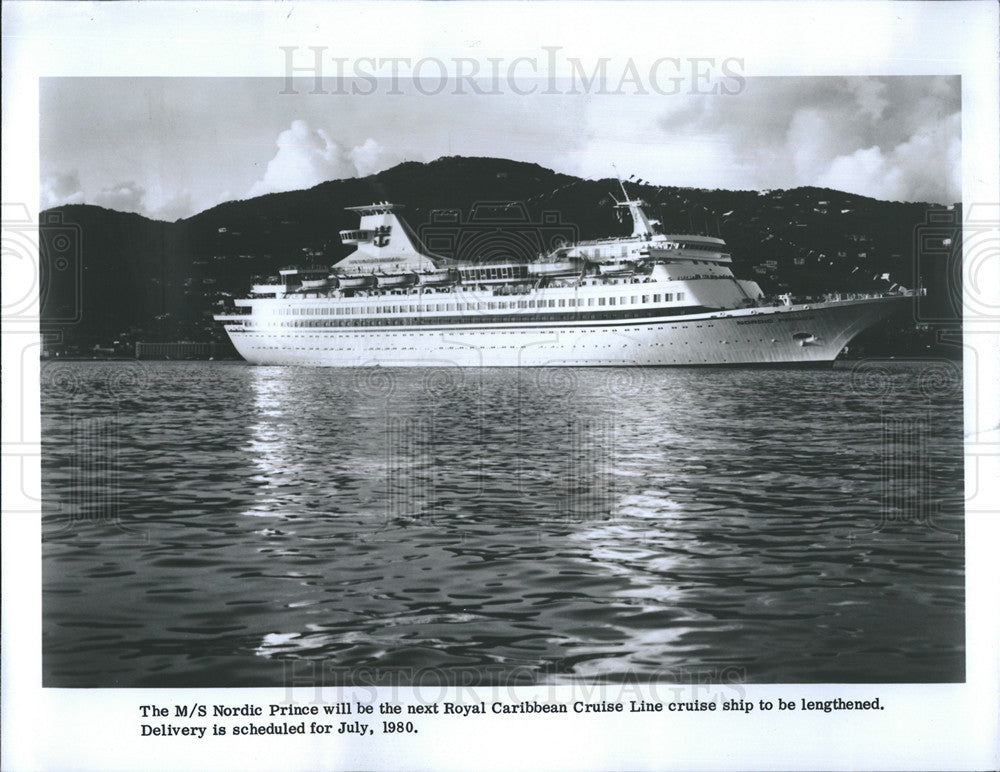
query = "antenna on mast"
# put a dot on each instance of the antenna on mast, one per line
(620, 183)
(641, 224)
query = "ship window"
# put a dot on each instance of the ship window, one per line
(669, 296)
(531, 304)
(612, 301)
(645, 298)
(562, 302)
(600, 301)
(522, 304)
(635, 298)
(552, 304)
(680, 296)
(492, 305)
(624, 300)
(656, 298)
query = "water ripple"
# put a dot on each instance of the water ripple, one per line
(209, 523)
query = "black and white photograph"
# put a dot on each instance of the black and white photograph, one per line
(386, 398)
(396, 406)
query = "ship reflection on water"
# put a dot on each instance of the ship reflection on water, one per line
(564, 523)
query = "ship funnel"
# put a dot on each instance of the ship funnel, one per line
(385, 243)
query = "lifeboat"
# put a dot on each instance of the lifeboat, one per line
(617, 269)
(357, 282)
(434, 278)
(558, 268)
(397, 280)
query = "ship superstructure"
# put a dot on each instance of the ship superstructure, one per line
(650, 298)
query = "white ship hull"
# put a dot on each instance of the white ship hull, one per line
(678, 304)
(778, 335)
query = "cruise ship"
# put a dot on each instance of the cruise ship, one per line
(648, 299)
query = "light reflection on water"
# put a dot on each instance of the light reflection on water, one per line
(571, 523)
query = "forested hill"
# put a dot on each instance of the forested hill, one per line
(124, 277)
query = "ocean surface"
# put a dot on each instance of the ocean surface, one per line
(216, 524)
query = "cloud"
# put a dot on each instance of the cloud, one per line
(307, 156)
(123, 196)
(371, 157)
(58, 189)
(894, 138)
(927, 167)
(175, 208)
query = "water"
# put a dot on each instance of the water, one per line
(214, 524)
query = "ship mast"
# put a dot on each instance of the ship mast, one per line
(641, 226)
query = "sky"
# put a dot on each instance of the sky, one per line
(170, 147)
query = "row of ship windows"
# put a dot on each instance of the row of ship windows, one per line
(476, 319)
(500, 305)
(562, 346)
(571, 331)
(495, 272)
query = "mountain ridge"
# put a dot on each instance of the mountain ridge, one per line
(136, 278)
